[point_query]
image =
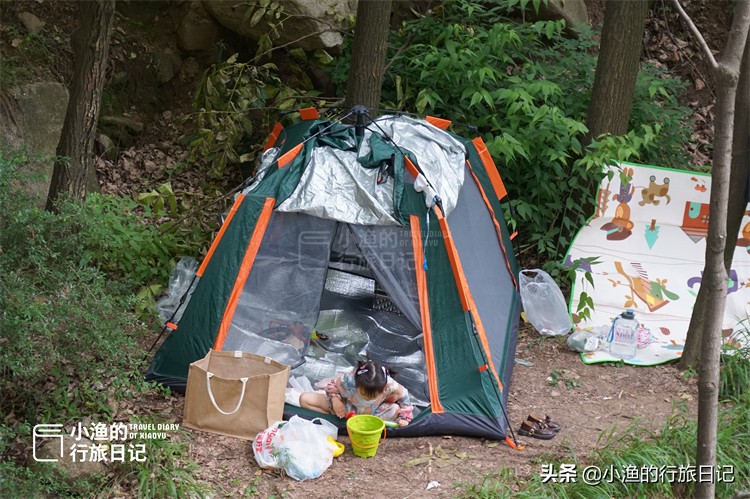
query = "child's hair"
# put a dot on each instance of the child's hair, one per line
(371, 377)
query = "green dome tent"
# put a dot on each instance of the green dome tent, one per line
(384, 239)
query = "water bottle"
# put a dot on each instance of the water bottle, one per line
(623, 336)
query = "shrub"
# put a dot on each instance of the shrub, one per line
(69, 341)
(167, 470)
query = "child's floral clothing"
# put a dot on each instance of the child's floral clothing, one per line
(391, 405)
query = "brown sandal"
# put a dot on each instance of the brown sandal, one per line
(529, 429)
(546, 423)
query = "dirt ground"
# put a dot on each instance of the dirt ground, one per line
(585, 400)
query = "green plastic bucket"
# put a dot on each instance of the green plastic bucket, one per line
(364, 432)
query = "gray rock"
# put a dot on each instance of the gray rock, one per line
(190, 69)
(130, 124)
(123, 130)
(32, 115)
(65, 466)
(314, 24)
(168, 65)
(106, 148)
(32, 23)
(198, 31)
(573, 11)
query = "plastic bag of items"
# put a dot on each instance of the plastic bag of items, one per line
(299, 446)
(544, 303)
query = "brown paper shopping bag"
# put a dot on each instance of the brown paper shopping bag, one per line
(234, 393)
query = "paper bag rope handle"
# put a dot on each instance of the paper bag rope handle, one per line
(213, 400)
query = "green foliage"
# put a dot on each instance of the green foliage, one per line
(735, 367)
(558, 378)
(68, 343)
(117, 240)
(167, 470)
(272, 13)
(524, 4)
(43, 482)
(236, 101)
(585, 299)
(525, 89)
(637, 448)
(226, 95)
(62, 325)
(233, 96)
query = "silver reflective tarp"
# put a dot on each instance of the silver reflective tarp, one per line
(335, 186)
(441, 157)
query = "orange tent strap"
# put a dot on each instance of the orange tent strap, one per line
(309, 113)
(424, 310)
(441, 123)
(410, 167)
(215, 243)
(489, 165)
(277, 128)
(493, 216)
(289, 156)
(458, 274)
(244, 273)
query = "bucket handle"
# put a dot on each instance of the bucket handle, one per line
(213, 400)
(368, 446)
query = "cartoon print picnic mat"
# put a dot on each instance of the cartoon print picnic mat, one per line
(649, 237)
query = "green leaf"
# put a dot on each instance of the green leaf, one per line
(550, 30)
(475, 99)
(257, 16)
(298, 54)
(323, 57)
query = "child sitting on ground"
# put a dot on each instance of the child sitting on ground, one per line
(366, 389)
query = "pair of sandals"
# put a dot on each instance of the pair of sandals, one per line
(543, 429)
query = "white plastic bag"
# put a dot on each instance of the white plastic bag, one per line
(299, 446)
(544, 303)
(304, 449)
(586, 341)
(179, 284)
(264, 446)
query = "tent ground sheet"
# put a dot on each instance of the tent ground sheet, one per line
(645, 249)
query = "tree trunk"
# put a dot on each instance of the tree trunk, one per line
(715, 273)
(368, 53)
(738, 199)
(739, 190)
(90, 47)
(617, 67)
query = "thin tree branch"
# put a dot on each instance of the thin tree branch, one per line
(709, 80)
(710, 59)
(399, 52)
(277, 47)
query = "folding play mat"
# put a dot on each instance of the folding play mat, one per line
(648, 236)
